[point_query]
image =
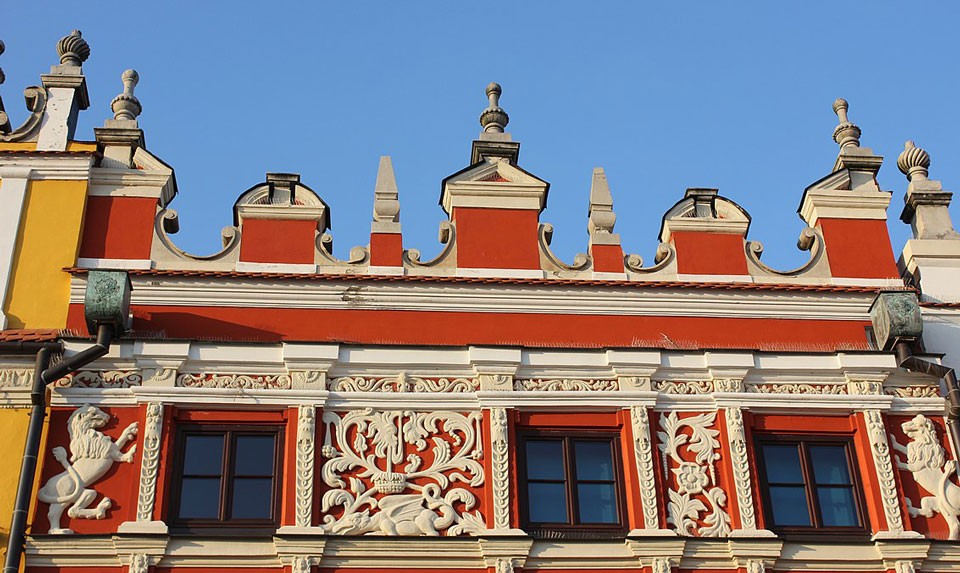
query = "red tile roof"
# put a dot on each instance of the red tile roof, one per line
(30, 335)
(501, 281)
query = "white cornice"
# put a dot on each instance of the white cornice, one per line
(842, 204)
(55, 167)
(443, 297)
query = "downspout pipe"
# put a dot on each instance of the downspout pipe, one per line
(906, 359)
(44, 374)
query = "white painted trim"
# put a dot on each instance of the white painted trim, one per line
(299, 268)
(746, 278)
(390, 271)
(55, 124)
(13, 193)
(55, 167)
(522, 299)
(843, 204)
(127, 264)
(602, 276)
(284, 212)
(879, 283)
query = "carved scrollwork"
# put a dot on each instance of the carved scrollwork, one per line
(693, 478)
(881, 461)
(16, 378)
(643, 457)
(374, 458)
(306, 448)
(403, 383)
(581, 261)
(150, 463)
(102, 379)
(662, 258)
(500, 444)
(913, 391)
(358, 255)
(797, 388)
(238, 381)
(566, 385)
(810, 240)
(741, 467)
(167, 223)
(36, 100)
(684, 386)
(447, 237)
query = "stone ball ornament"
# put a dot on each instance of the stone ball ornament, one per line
(913, 161)
(73, 49)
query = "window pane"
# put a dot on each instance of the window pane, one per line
(254, 456)
(789, 505)
(837, 507)
(547, 502)
(203, 455)
(544, 459)
(597, 503)
(251, 498)
(200, 498)
(830, 465)
(594, 460)
(782, 462)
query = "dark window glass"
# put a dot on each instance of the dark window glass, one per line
(571, 481)
(227, 477)
(810, 484)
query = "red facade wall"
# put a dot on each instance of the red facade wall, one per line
(497, 238)
(278, 241)
(118, 228)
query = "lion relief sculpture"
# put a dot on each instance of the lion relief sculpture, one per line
(927, 461)
(91, 456)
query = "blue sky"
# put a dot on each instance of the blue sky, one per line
(664, 96)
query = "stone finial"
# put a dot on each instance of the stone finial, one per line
(601, 215)
(73, 49)
(494, 119)
(913, 162)
(845, 134)
(126, 105)
(386, 203)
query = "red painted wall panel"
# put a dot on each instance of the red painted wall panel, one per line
(859, 248)
(118, 228)
(497, 238)
(278, 241)
(607, 258)
(386, 250)
(709, 253)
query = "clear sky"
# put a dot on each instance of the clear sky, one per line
(664, 96)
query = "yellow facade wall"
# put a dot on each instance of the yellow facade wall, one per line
(13, 425)
(48, 241)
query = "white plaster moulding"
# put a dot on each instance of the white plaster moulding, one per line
(131, 264)
(469, 553)
(573, 300)
(703, 225)
(46, 167)
(284, 212)
(109, 182)
(843, 204)
(250, 267)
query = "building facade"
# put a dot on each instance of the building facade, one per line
(275, 408)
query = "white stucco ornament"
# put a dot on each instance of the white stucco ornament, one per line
(927, 461)
(92, 454)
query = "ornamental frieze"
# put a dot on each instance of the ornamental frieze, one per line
(403, 383)
(102, 379)
(401, 473)
(566, 385)
(237, 381)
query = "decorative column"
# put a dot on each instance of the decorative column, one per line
(500, 466)
(643, 457)
(149, 470)
(886, 479)
(739, 461)
(306, 453)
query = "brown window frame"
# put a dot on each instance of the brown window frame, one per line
(229, 433)
(572, 529)
(810, 486)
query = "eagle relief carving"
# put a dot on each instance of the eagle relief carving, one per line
(92, 454)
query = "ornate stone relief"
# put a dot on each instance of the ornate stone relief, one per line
(240, 381)
(18, 378)
(797, 388)
(660, 565)
(741, 467)
(864, 387)
(306, 449)
(755, 566)
(566, 385)
(300, 564)
(500, 446)
(504, 565)
(643, 456)
(403, 383)
(924, 391)
(102, 379)
(139, 563)
(881, 460)
(694, 478)
(92, 454)
(932, 471)
(904, 567)
(374, 457)
(699, 386)
(150, 462)
(309, 378)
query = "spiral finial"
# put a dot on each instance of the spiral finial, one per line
(494, 119)
(913, 162)
(126, 105)
(845, 134)
(73, 49)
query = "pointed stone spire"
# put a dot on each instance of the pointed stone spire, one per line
(601, 215)
(494, 119)
(126, 105)
(386, 199)
(926, 203)
(845, 134)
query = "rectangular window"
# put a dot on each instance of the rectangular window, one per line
(571, 485)
(810, 484)
(225, 476)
